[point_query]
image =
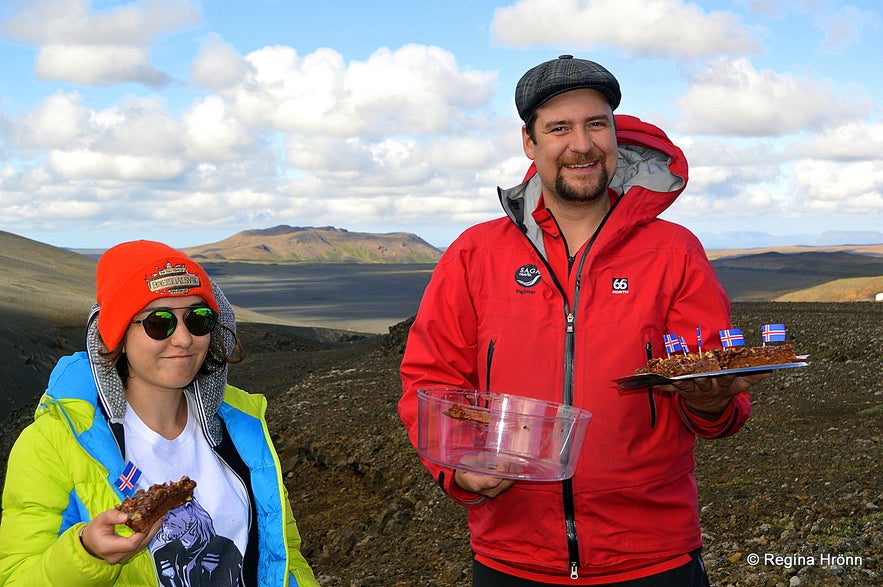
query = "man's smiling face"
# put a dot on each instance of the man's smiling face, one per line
(575, 149)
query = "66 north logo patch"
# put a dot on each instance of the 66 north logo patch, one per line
(620, 285)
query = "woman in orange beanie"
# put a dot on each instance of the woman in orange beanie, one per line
(147, 403)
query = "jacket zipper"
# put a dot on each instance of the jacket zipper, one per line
(567, 484)
(569, 356)
(569, 353)
(567, 392)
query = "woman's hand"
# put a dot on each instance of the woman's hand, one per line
(100, 539)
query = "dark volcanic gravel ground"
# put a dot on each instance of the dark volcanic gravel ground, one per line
(801, 488)
(802, 484)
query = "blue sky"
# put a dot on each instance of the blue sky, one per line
(188, 121)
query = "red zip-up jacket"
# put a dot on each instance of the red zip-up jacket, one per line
(494, 317)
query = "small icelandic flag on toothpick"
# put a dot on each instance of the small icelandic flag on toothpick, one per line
(773, 333)
(683, 345)
(699, 338)
(672, 343)
(732, 337)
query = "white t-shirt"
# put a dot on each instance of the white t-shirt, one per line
(202, 540)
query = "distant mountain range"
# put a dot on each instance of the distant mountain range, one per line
(287, 244)
(835, 273)
(291, 244)
(751, 240)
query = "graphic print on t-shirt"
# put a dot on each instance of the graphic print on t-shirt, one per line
(188, 553)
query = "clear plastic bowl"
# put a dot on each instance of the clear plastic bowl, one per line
(503, 435)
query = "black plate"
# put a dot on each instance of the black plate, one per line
(651, 379)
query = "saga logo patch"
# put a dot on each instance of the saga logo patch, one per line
(528, 276)
(620, 285)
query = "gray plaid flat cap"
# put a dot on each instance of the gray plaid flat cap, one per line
(557, 76)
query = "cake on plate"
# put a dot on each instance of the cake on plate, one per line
(735, 357)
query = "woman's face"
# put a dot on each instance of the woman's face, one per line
(171, 363)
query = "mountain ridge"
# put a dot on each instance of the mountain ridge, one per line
(288, 244)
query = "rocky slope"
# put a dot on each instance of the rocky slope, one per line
(802, 484)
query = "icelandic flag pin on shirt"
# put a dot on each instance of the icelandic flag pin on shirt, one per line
(773, 333)
(128, 478)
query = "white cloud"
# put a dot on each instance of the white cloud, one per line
(850, 141)
(406, 138)
(767, 7)
(57, 121)
(137, 126)
(330, 158)
(180, 207)
(837, 187)
(831, 174)
(733, 98)
(98, 65)
(75, 22)
(732, 181)
(661, 28)
(48, 210)
(138, 140)
(845, 26)
(218, 65)
(412, 90)
(211, 133)
(79, 164)
(285, 138)
(82, 45)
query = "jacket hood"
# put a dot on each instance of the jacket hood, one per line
(651, 172)
(208, 390)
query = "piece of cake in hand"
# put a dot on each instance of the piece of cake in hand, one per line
(146, 507)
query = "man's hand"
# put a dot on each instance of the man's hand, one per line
(484, 485)
(707, 397)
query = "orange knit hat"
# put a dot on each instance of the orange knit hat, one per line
(131, 275)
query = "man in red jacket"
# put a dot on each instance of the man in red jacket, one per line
(563, 294)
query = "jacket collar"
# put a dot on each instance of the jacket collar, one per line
(651, 172)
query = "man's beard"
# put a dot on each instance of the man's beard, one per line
(582, 192)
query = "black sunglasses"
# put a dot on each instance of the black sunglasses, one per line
(160, 324)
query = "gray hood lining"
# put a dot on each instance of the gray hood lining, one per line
(635, 166)
(644, 167)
